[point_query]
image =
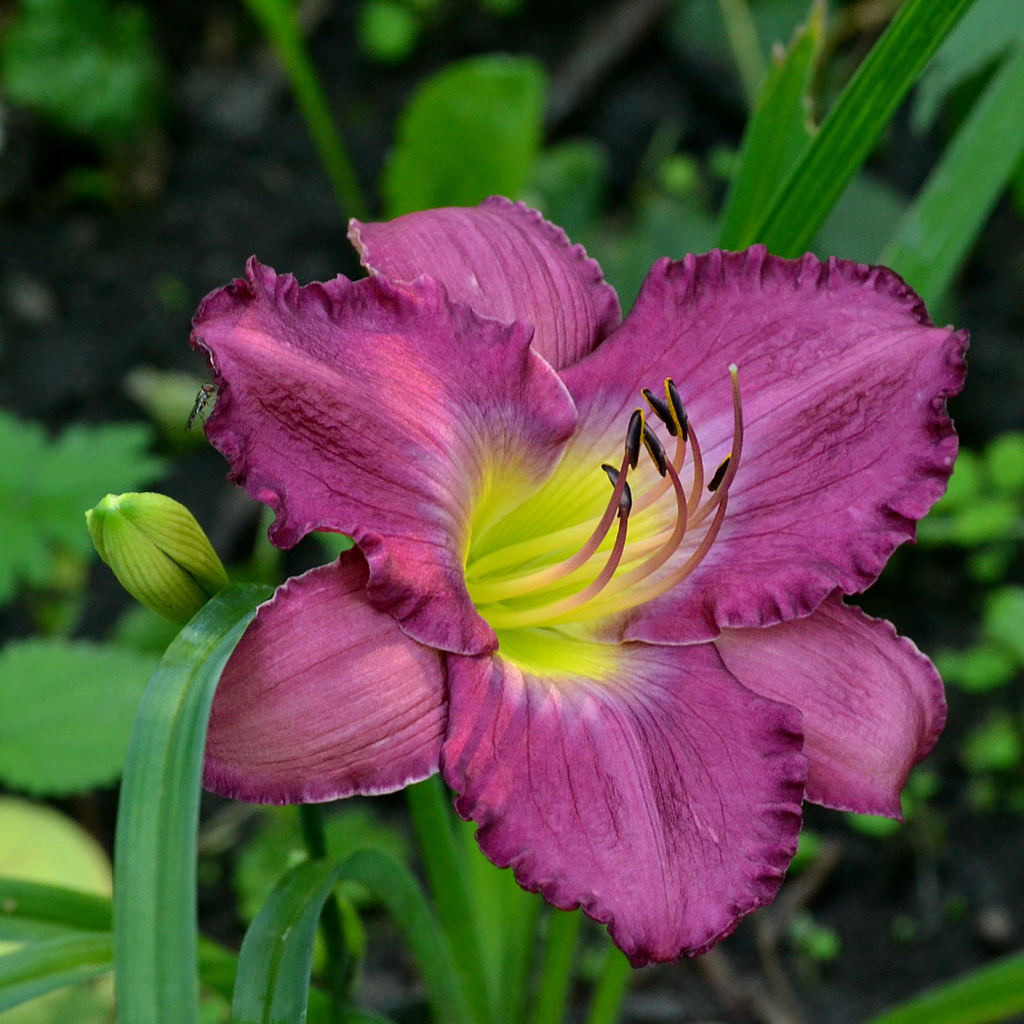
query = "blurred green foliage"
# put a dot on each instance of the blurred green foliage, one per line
(989, 31)
(279, 846)
(66, 711)
(472, 130)
(85, 65)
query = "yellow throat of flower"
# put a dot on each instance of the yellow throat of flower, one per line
(544, 565)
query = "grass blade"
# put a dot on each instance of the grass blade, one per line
(44, 966)
(854, 124)
(947, 216)
(155, 849)
(30, 911)
(992, 993)
(403, 897)
(777, 133)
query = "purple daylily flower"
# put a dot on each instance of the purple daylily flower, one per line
(630, 680)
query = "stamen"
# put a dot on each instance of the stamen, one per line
(720, 473)
(622, 601)
(634, 435)
(655, 450)
(732, 463)
(661, 409)
(529, 616)
(675, 403)
(612, 590)
(621, 503)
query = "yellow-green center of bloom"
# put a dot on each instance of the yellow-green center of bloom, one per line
(569, 554)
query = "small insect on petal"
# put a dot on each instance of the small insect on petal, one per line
(206, 392)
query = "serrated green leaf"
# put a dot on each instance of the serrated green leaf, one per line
(987, 32)
(854, 124)
(66, 711)
(46, 486)
(988, 995)
(83, 64)
(776, 134)
(155, 848)
(941, 227)
(471, 131)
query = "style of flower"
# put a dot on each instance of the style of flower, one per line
(631, 668)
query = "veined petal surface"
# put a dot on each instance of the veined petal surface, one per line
(663, 798)
(505, 261)
(846, 441)
(873, 705)
(325, 697)
(381, 411)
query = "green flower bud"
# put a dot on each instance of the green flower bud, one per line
(157, 551)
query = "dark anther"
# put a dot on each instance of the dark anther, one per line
(613, 473)
(625, 502)
(662, 411)
(634, 434)
(719, 476)
(655, 449)
(679, 413)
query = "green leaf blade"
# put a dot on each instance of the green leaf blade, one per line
(945, 220)
(272, 985)
(155, 852)
(42, 967)
(854, 124)
(50, 908)
(993, 993)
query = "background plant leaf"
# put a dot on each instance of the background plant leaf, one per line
(471, 131)
(66, 711)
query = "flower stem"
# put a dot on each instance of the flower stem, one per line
(611, 989)
(557, 972)
(339, 963)
(279, 24)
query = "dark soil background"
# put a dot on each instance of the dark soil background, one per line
(84, 299)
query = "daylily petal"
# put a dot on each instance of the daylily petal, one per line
(381, 411)
(664, 800)
(846, 444)
(872, 703)
(325, 697)
(505, 261)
